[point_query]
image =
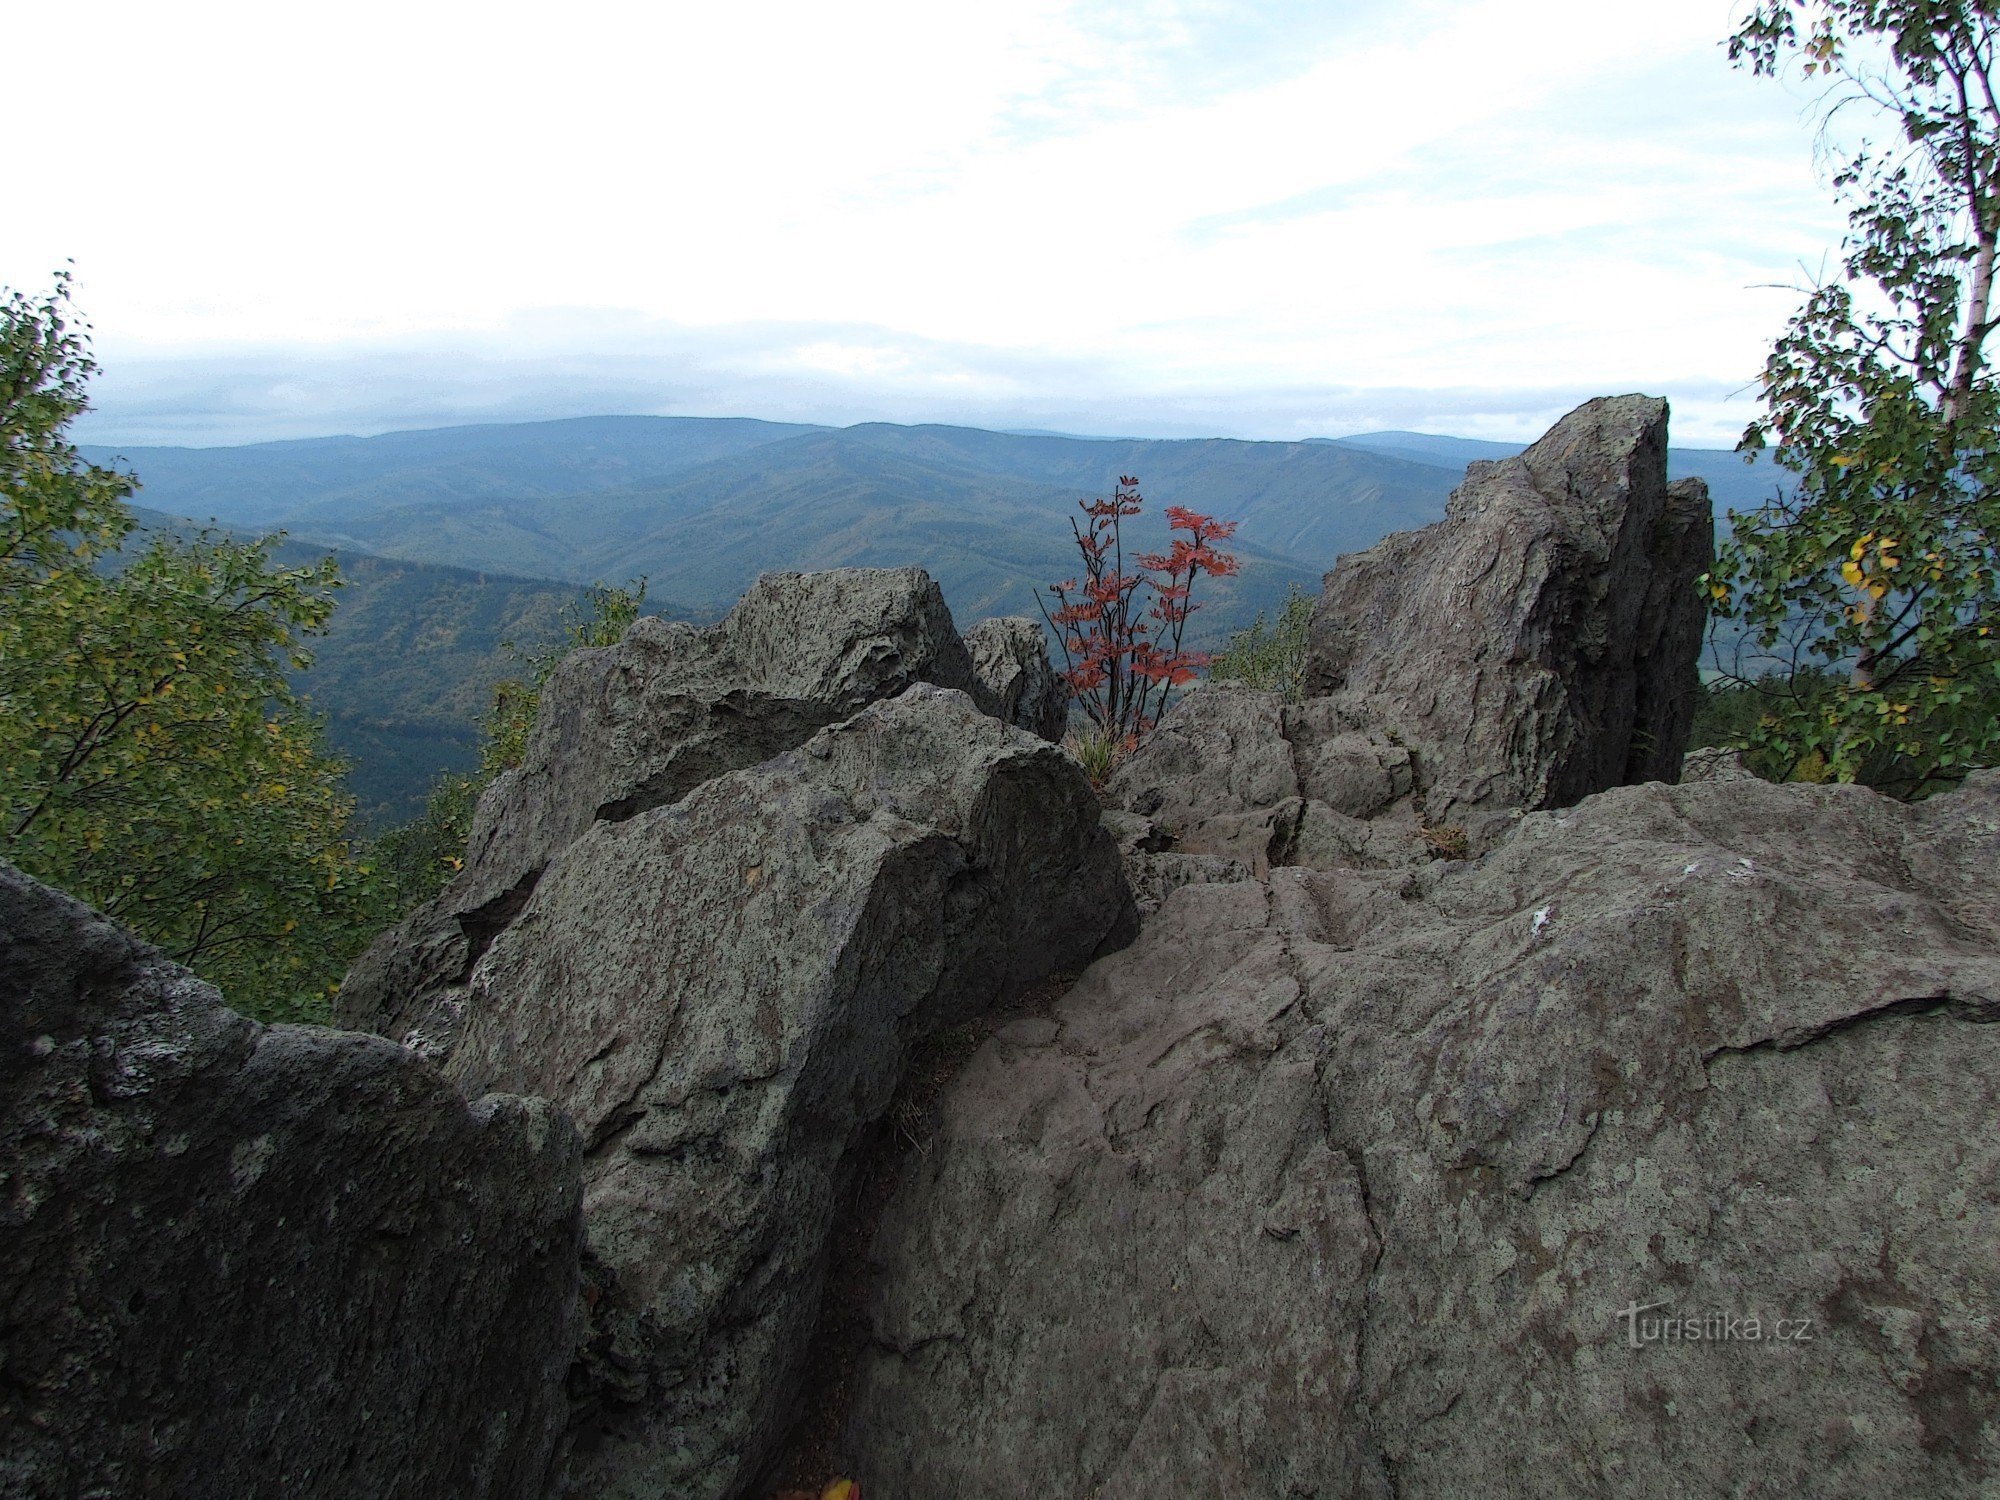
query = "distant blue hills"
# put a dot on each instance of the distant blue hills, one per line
(473, 532)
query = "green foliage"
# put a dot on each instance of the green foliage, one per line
(1270, 657)
(420, 858)
(1750, 714)
(153, 761)
(1099, 751)
(702, 513)
(409, 663)
(1753, 714)
(1873, 583)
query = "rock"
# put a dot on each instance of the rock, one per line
(1155, 869)
(1714, 763)
(1240, 775)
(640, 725)
(1539, 643)
(723, 992)
(1535, 646)
(239, 1260)
(1010, 661)
(1370, 1183)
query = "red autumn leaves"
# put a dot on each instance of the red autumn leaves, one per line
(1123, 655)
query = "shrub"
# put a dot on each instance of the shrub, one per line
(1270, 658)
(154, 760)
(1122, 658)
(1882, 563)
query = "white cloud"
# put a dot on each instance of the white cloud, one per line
(1194, 201)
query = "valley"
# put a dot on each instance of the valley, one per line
(457, 540)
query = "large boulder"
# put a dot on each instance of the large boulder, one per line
(240, 1260)
(641, 724)
(1539, 644)
(1651, 1155)
(1010, 659)
(723, 992)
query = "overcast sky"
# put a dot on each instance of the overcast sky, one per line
(1149, 217)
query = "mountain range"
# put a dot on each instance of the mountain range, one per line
(457, 539)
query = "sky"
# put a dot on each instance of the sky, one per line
(1146, 218)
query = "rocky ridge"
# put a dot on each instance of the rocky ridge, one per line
(1463, 1066)
(724, 994)
(1535, 646)
(641, 724)
(262, 1261)
(739, 875)
(1642, 1153)
(1371, 1183)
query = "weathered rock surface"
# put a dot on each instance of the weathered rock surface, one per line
(640, 725)
(1379, 1183)
(1537, 645)
(723, 992)
(280, 1262)
(1236, 774)
(1155, 869)
(1714, 763)
(1010, 661)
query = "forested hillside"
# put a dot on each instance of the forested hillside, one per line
(457, 540)
(408, 663)
(701, 507)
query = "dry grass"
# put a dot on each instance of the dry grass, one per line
(1446, 841)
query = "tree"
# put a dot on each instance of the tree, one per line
(1881, 563)
(153, 758)
(1122, 658)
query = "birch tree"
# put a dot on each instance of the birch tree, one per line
(1876, 573)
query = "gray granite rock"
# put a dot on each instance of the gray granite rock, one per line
(723, 993)
(1238, 774)
(1539, 643)
(1536, 645)
(1714, 763)
(1470, 1179)
(248, 1261)
(1010, 661)
(640, 725)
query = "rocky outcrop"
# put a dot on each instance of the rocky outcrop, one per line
(1241, 775)
(641, 724)
(723, 992)
(1650, 1155)
(1010, 660)
(1539, 643)
(239, 1260)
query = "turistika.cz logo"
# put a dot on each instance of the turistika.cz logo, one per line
(1708, 1328)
